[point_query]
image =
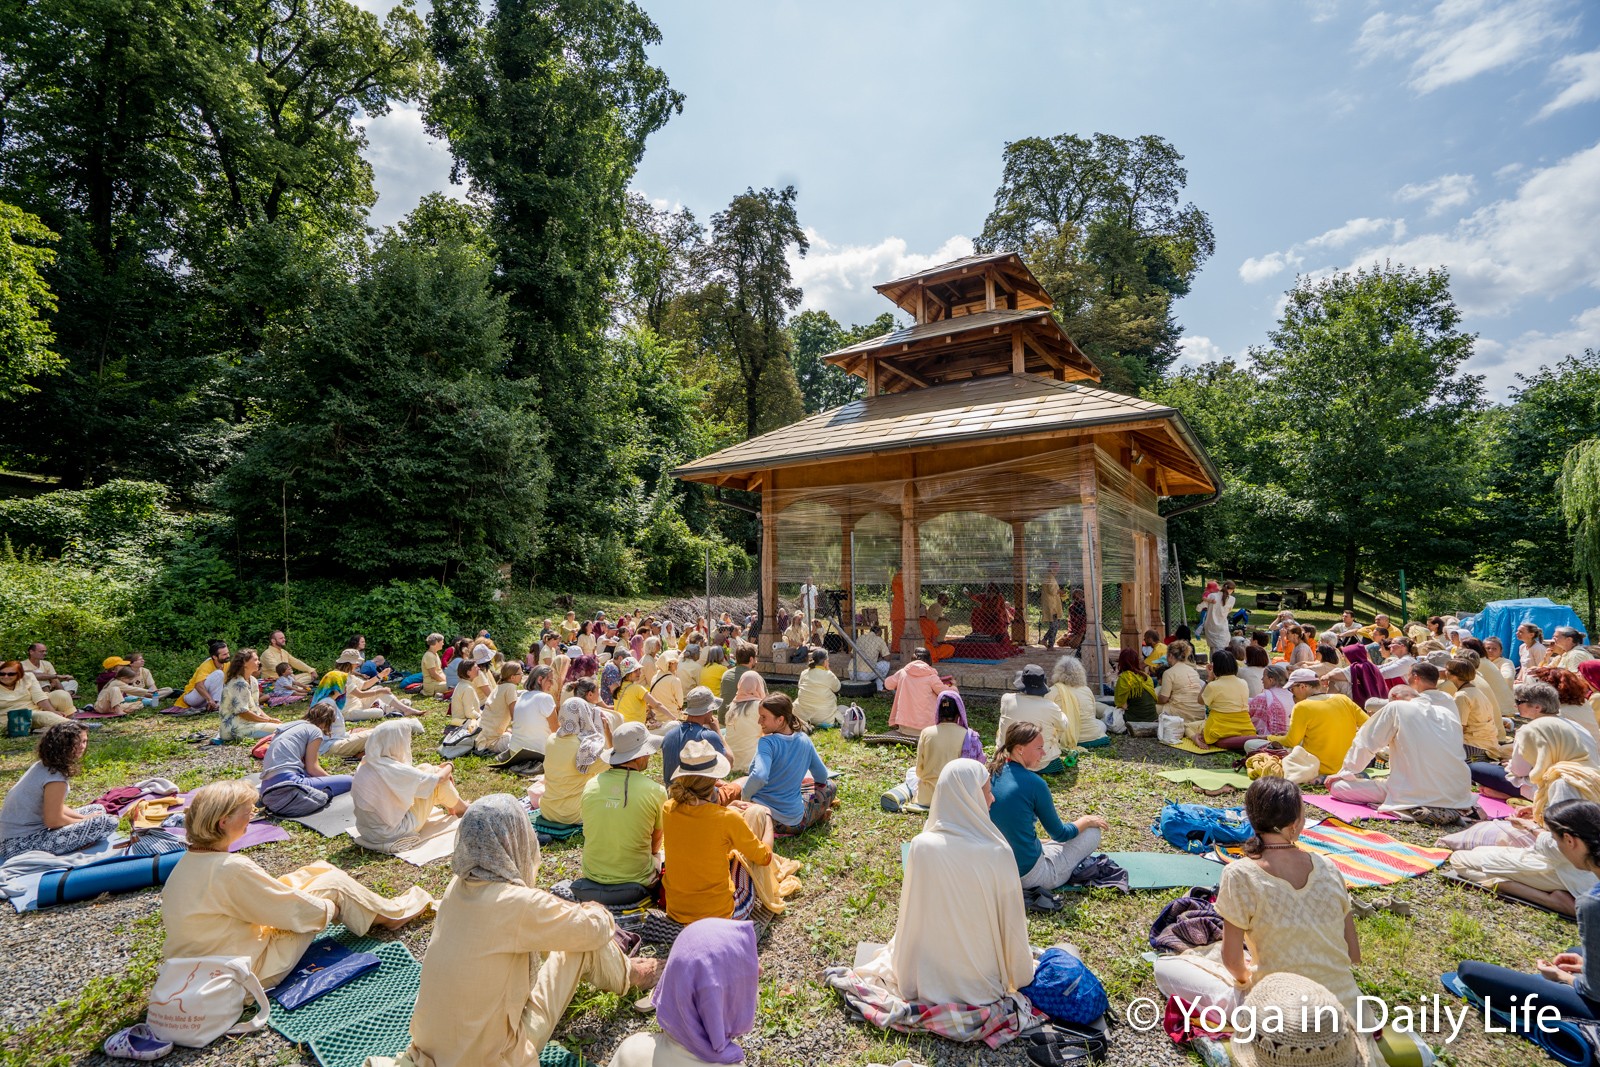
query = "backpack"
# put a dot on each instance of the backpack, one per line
(460, 741)
(1064, 988)
(852, 722)
(1195, 828)
(293, 798)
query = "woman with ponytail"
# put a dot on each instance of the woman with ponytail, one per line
(787, 775)
(1022, 802)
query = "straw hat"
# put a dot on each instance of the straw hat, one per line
(1292, 998)
(700, 758)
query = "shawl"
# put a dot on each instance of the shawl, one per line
(496, 843)
(752, 691)
(580, 718)
(707, 993)
(1555, 750)
(1366, 681)
(972, 744)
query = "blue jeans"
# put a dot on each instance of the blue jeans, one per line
(1493, 776)
(1504, 988)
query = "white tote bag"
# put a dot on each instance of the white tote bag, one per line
(197, 1000)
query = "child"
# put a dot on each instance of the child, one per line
(285, 690)
(119, 691)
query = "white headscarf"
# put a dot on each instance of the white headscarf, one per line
(386, 763)
(496, 842)
(962, 935)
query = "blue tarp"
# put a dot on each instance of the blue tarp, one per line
(1501, 619)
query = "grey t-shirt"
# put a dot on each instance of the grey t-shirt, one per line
(23, 811)
(288, 749)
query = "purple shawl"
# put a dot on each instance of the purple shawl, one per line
(972, 746)
(1366, 681)
(707, 993)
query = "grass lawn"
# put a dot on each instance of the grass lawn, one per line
(852, 881)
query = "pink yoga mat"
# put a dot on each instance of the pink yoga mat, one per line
(1495, 809)
(259, 832)
(98, 714)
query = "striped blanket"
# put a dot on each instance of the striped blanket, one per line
(1366, 858)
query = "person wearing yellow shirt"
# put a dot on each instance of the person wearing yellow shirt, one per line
(276, 652)
(1324, 724)
(632, 700)
(198, 693)
(1227, 701)
(1153, 649)
(716, 666)
(1051, 609)
(466, 700)
(434, 682)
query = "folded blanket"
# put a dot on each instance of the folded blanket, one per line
(993, 1024)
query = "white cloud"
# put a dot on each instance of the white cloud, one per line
(1501, 361)
(1537, 242)
(1582, 75)
(1260, 268)
(838, 279)
(1460, 39)
(406, 163)
(1193, 351)
(1442, 194)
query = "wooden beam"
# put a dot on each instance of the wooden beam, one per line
(915, 380)
(988, 290)
(922, 304)
(910, 562)
(872, 377)
(1019, 362)
(768, 632)
(1019, 579)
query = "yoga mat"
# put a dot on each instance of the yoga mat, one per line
(260, 832)
(1562, 1042)
(1365, 857)
(181, 709)
(1162, 870)
(1207, 778)
(115, 874)
(438, 841)
(337, 818)
(1345, 810)
(966, 659)
(1494, 808)
(98, 714)
(1195, 747)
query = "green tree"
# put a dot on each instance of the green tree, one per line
(1553, 409)
(1366, 422)
(1580, 506)
(814, 334)
(1100, 224)
(547, 108)
(393, 445)
(663, 253)
(25, 299)
(750, 294)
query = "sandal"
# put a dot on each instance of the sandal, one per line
(136, 1043)
(1059, 1046)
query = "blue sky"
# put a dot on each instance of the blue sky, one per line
(1318, 136)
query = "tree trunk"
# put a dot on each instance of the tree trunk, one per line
(1588, 581)
(1327, 598)
(1350, 578)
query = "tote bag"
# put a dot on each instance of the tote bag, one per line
(197, 1000)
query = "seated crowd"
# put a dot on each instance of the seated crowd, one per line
(593, 703)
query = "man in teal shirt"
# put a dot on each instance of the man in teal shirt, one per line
(622, 812)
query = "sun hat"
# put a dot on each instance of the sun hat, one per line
(482, 654)
(1288, 999)
(1304, 674)
(670, 656)
(628, 665)
(111, 662)
(701, 758)
(1033, 680)
(350, 655)
(630, 741)
(700, 701)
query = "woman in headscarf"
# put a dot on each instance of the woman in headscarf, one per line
(486, 999)
(1553, 756)
(393, 797)
(741, 723)
(571, 758)
(1366, 681)
(706, 998)
(946, 740)
(1589, 671)
(960, 857)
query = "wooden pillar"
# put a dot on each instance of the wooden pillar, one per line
(922, 304)
(1093, 650)
(1131, 630)
(872, 377)
(910, 563)
(769, 567)
(847, 524)
(1019, 578)
(988, 290)
(1019, 358)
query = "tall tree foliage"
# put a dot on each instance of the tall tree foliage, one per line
(814, 334)
(199, 161)
(1552, 410)
(547, 106)
(25, 300)
(1100, 223)
(1367, 421)
(750, 293)
(395, 446)
(1580, 506)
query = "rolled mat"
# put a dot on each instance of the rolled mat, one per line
(1564, 1042)
(117, 875)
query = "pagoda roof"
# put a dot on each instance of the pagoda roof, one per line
(968, 346)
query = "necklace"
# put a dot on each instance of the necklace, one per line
(1278, 844)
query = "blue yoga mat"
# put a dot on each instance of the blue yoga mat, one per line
(114, 874)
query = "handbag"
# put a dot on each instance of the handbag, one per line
(460, 740)
(852, 722)
(326, 966)
(197, 1000)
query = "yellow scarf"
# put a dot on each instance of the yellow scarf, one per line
(1583, 777)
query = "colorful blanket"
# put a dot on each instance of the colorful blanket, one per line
(1366, 858)
(993, 1024)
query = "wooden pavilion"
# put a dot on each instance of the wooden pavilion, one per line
(981, 456)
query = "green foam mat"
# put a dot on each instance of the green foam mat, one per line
(385, 1032)
(393, 985)
(553, 1055)
(1163, 870)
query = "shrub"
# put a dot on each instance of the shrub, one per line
(118, 512)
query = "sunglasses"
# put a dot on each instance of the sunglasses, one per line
(10, 674)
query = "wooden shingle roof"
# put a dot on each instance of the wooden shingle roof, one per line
(988, 409)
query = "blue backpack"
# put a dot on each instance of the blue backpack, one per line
(1195, 828)
(1065, 989)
